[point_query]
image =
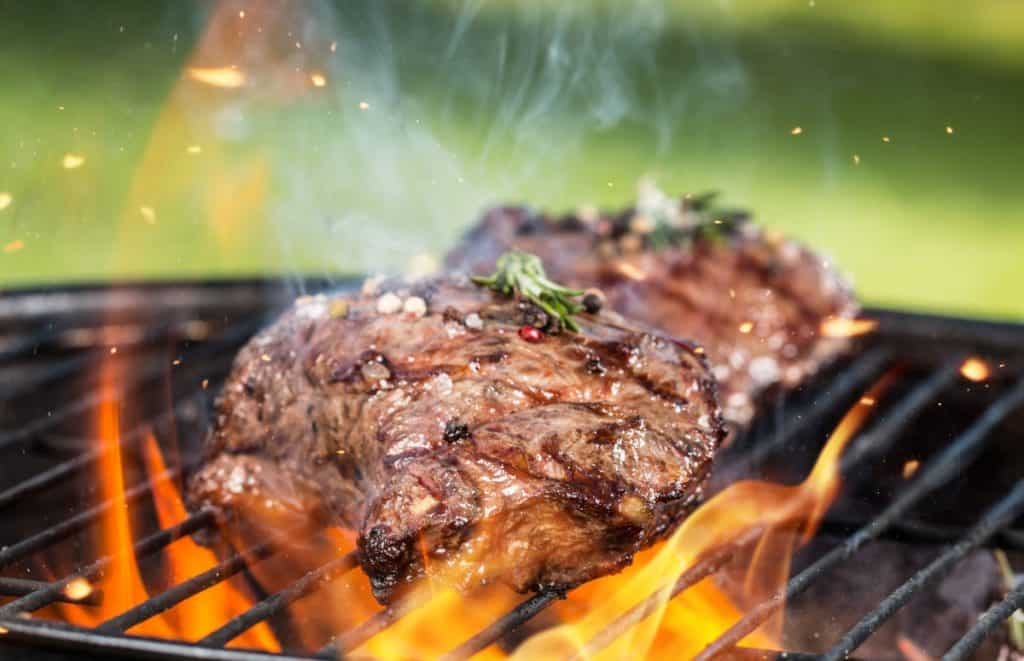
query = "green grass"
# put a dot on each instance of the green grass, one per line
(304, 181)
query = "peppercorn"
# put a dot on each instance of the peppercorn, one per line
(592, 302)
(530, 334)
(455, 430)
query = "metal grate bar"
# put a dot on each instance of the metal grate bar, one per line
(59, 635)
(920, 532)
(75, 363)
(278, 601)
(175, 595)
(993, 617)
(369, 628)
(938, 471)
(507, 623)
(154, 542)
(70, 526)
(842, 388)
(1000, 516)
(19, 587)
(154, 369)
(45, 479)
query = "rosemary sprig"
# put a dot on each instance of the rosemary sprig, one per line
(522, 274)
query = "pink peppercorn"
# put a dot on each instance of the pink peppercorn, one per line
(531, 334)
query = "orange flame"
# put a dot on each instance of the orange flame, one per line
(121, 584)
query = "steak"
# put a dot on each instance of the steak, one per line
(422, 417)
(755, 300)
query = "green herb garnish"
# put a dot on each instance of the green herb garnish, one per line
(522, 274)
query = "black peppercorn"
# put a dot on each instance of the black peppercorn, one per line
(592, 303)
(455, 430)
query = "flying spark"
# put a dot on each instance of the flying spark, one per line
(949, 130)
(886, 139)
(78, 589)
(796, 130)
(14, 246)
(148, 215)
(318, 79)
(746, 327)
(72, 161)
(856, 159)
(5, 200)
(974, 369)
(217, 76)
(194, 149)
(363, 105)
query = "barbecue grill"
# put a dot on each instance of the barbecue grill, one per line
(177, 342)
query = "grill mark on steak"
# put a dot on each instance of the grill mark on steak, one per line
(467, 444)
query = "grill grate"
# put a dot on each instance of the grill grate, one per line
(49, 339)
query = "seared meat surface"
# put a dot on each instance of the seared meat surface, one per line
(419, 416)
(754, 300)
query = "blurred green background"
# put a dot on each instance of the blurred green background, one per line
(356, 136)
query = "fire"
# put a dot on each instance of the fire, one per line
(974, 369)
(121, 585)
(226, 77)
(840, 327)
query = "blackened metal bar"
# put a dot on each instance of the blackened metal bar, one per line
(178, 593)
(994, 617)
(936, 473)
(921, 532)
(278, 601)
(68, 527)
(999, 516)
(19, 587)
(369, 628)
(80, 362)
(151, 372)
(881, 436)
(842, 388)
(154, 542)
(58, 472)
(57, 635)
(507, 623)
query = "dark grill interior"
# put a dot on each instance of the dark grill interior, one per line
(175, 345)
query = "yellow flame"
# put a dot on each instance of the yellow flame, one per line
(226, 77)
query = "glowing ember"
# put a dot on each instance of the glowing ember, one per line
(148, 214)
(363, 105)
(838, 327)
(867, 401)
(796, 130)
(318, 79)
(746, 327)
(72, 161)
(14, 246)
(911, 651)
(5, 200)
(974, 369)
(910, 468)
(78, 589)
(226, 77)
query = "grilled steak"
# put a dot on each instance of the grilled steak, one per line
(423, 418)
(754, 300)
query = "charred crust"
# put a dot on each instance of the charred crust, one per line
(451, 314)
